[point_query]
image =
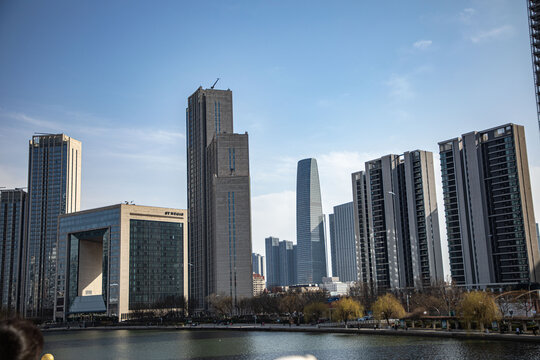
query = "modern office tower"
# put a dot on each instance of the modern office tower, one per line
(534, 30)
(310, 232)
(12, 222)
(488, 206)
(218, 195)
(403, 220)
(272, 262)
(342, 240)
(259, 264)
(120, 258)
(54, 188)
(287, 266)
(365, 256)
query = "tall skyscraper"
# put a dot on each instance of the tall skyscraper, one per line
(259, 265)
(54, 188)
(488, 205)
(534, 31)
(310, 232)
(365, 256)
(218, 194)
(342, 243)
(402, 220)
(12, 222)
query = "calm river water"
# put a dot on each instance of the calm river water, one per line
(214, 344)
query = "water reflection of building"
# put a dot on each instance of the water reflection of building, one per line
(121, 258)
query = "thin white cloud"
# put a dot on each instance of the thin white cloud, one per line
(466, 14)
(422, 44)
(30, 120)
(493, 34)
(400, 87)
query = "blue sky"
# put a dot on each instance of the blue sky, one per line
(342, 81)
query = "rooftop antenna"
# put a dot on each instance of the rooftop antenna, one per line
(212, 87)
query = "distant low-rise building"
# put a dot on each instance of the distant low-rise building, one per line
(258, 284)
(334, 286)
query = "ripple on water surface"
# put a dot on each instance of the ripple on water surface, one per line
(215, 344)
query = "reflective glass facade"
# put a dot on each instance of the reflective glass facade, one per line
(155, 262)
(104, 224)
(342, 242)
(53, 189)
(310, 231)
(134, 256)
(12, 220)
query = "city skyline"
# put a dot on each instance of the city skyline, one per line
(419, 98)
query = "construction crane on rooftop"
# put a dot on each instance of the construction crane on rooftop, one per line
(212, 87)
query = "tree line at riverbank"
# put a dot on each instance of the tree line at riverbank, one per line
(440, 306)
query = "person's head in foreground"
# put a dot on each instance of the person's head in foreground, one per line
(20, 340)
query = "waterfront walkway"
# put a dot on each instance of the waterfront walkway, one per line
(458, 334)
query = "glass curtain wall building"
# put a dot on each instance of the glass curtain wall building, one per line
(281, 262)
(126, 257)
(54, 188)
(259, 264)
(310, 229)
(287, 263)
(272, 262)
(490, 221)
(12, 222)
(343, 245)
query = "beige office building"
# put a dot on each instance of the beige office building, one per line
(120, 258)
